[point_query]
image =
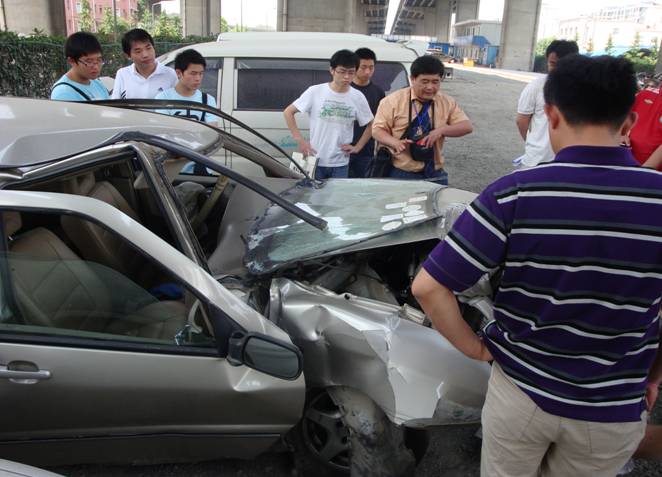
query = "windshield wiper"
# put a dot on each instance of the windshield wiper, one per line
(183, 151)
(192, 105)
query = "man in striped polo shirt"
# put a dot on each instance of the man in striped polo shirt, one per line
(575, 329)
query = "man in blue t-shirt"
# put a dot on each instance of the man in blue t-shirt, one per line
(190, 68)
(81, 82)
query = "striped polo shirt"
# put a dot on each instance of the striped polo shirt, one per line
(579, 241)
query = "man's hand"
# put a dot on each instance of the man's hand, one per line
(400, 145)
(305, 147)
(432, 137)
(652, 390)
(349, 149)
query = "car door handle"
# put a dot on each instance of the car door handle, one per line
(23, 377)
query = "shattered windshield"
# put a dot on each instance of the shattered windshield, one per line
(355, 211)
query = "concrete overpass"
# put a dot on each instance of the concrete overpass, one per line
(430, 18)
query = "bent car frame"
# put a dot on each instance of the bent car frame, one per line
(158, 306)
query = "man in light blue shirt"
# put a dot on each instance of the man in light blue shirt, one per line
(81, 82)
(190, 68)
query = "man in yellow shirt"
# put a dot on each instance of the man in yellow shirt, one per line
(413, 122)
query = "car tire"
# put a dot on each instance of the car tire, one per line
(343, 432)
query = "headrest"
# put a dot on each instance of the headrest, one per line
(11, 222)
(79, 185)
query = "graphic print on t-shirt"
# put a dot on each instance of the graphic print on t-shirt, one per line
(337, 111)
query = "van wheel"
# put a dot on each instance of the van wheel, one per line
(343, 432)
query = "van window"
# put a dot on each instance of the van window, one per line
(213, 70)
(273, 84)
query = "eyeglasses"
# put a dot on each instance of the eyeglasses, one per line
(91, 63)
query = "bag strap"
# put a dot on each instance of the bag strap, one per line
(204, 101)
(75, 88)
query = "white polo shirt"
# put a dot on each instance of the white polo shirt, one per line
(537, 148)
(130, 84)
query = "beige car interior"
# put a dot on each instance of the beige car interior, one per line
(55, 288)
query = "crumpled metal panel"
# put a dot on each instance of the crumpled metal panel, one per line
(414, 374)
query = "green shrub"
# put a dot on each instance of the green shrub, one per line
(29, 66)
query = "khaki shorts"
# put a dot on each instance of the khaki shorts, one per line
(520, 439)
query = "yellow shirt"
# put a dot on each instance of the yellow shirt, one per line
(392, 117)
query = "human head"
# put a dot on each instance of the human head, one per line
(367, 60)
(596, 93)
(190, 67)
(138, 45)
(557, 49)
(83, 53)
(426, 74)
(343, 67)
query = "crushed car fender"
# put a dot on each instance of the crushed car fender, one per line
(413, 373)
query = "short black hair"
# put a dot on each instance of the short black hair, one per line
(189, 57)
(80, 44)
(137, 34)
(562, 48)
(596, 91)
(345, 58)
(366, 54)
(427, 65)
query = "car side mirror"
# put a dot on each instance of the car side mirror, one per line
(265, 354)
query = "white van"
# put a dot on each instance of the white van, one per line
(255, 75)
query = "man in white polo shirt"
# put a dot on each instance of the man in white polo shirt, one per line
(146, 77)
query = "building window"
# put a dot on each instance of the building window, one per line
(79, 7)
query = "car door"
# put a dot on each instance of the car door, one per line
(98, 367)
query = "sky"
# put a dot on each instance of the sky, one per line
(261, 12)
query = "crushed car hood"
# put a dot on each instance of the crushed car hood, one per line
(360, 213)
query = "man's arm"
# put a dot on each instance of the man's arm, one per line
(384, 137)
(291, 121)
(440, 305)
(655, 159)
(523, 122)
(459, 129)
(360, 144)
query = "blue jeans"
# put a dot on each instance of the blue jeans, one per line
(358, 165)
(438, 176)
(324, 172)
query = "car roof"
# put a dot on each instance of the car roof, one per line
(34, 131)
(310, 45)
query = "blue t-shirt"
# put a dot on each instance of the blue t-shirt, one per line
(197, 97)
(63, 92)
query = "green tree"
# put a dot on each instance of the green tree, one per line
(542, 45)
(589, 47)
(142, 17)
(85, 20)
(107, 24)
(167, 26)
(636, 43)
(609, 47)
(655, 47)
(224, 25)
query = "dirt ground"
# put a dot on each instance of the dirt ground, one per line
(472, 162)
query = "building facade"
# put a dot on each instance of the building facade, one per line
(623, 24)
(477, 40)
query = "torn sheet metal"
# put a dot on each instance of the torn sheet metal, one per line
(409, 370)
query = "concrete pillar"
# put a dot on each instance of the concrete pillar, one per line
(467, 10)
(519, 29)
(201, 17)
(327, 15)
(23, 17)
(437, 21)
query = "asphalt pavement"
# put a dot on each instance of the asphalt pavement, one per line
(472, 162)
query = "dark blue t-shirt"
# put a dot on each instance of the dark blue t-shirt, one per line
(374, 95)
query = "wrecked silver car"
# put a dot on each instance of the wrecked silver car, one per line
(159, 306)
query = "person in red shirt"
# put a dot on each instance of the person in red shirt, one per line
(646, 135)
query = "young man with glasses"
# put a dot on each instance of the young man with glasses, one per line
(80, 83)
(333, 107)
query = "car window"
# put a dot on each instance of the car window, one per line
(273, 84)
(59, 289)
(213, 71)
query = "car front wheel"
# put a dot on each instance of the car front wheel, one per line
(343, 432)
